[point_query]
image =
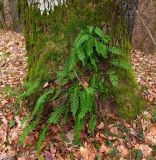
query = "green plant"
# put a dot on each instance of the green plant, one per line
(137, 154)
(89, 73)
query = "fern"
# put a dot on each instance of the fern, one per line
(115, 51)
(91, 47)
(88, 46)
(28, 129)
(99, 32)
(79, 125)
(113, 78)
(92, 123)
(121, 64)
(56, 114)
(81, 40)
(81, 55)
(101, 49)
(41, 138)
(41, 101)
(31, 88)
(83, 105)
(57, 93)
(74, 98)
(86, 102)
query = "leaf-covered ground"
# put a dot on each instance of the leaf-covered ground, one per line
(113, 138)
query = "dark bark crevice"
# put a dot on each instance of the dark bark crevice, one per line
(128, 10)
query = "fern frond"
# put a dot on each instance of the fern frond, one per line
(41, 138)
(74, 98)
(99, 32)
(83, 106)
(73, 60)
(113, 78)
(56, 114)
(121, 64)
(41, 102)
(57, 93)
(92, 123)
(116, 51)
(101, 48)
(90, 93)
(81, 55)
(81, 40)
(90, 29)
(89, 46)
(28, 129)
(31, 88)
(94, 62)
(86, 102)
(79, 125)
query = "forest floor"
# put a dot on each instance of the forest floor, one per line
(113, 138)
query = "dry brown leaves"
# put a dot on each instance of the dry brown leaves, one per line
(145, 69)
(12, 63)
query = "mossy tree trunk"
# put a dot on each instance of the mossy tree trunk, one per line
(49, 39)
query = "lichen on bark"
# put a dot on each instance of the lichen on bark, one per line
(49, 39)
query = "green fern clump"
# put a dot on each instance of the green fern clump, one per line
(82, 80)
(31, 87)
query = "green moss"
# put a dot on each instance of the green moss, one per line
(49, 39)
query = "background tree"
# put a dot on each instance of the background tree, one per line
(50, 35)
(9, 15)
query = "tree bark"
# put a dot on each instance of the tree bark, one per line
(9, 15)
(49, 39)
(128, 10)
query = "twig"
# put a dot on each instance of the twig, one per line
(78, 78)
(149, 32)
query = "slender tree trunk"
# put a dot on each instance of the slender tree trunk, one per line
(49, 39)
(128, 10)
(7, 14)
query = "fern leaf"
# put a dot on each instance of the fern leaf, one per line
(93, 61)
(77, 129)
(86, 102)
(99, 32)
(116, 51)
(113, 78)
(73, 60)
(41, 138)
(56, 114)
(28, 129)
(101, 48)
(89, 47)
(90, 91)
(74, 98)
(81, 54)
(83, 106)
(92, 123)
(106, 39)
(57, 93)
(31, 89)
(81, 40)
(41, 102)
(90, 98)
(121, 64)
(90, 29)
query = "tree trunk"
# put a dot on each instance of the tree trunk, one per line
(128, 10)
(9, 15)
(49, 39)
